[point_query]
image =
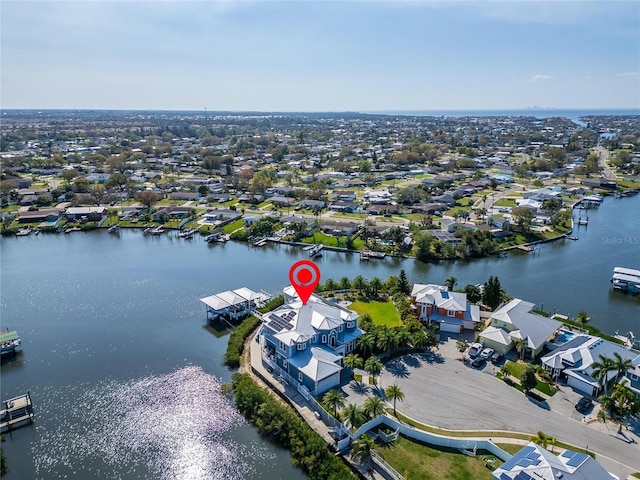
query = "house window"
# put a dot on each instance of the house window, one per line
(301, 346)
(285, 364)
(342, 327)
(283, 346)
(451, 313)
(324, 339)
(349, 324)
(300, 377)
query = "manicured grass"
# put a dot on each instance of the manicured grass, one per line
(230, 227)
(382, 313)
(505, 202)
(511, 448)
(517, 369)
(415, 460)
(329, 241)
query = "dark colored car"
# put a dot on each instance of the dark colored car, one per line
(496, 358)
(583, 405)
(478, 362)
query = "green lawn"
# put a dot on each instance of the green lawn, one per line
(330, 241)
(505, 202)
(382, 313)
(415, 460)
(517, 369)
(230, 227)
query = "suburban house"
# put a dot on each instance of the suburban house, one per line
(308, 341)
(450, 310)
(515, 320)
(573, 362)
(534, 462)
(187, 196)
(170, 212)
(51, 215)
(93, 214)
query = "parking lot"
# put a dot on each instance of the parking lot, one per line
(441, 390)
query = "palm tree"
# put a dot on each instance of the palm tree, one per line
(419, 338)
(334, 399)
(384, 339)
(600, 371)
(362, 449)
(519, 343)
(394, 393)
(621, 366)
(366, 343)
(461, 345)
(403, 336)
(373, 407)
(542, 439)
(352, 361)
(353, 415)
(373, 366)
(375, 284)
(582, 318)
(358, 283)
(602, 416)
(451, 282)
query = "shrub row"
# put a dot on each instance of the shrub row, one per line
(308, 450)
(236, 341)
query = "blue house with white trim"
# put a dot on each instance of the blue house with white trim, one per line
(309, 341)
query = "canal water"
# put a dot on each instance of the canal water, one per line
(126, 379)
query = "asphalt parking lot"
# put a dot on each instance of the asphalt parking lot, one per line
(441, 390)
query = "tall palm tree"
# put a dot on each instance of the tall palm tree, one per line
(366, 343)
(373, 366)
(334, 399)
(403, 336)
(462, 345)
(352, 361)
(353, 415)
(362, 449)
(520, 343)
(419, 338)
(394, 393)
(450, 282)
(542, 439)
(375, 284)
(582, 318)
(384, 339)
(373, 407)
(358, 283)
(621, 366)
(600, 371)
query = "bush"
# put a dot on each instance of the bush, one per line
(308, 450)
(236, 341)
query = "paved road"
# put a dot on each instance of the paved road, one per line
(442, 391)
(602, 161)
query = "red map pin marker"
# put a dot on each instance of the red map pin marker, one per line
(304, 277)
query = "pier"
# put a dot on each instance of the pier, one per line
(16, 411)
(234, 304)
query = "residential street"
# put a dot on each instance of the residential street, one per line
(442, 391)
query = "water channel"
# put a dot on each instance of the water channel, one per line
(126, 379)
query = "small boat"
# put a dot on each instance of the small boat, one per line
(573, 238)
(217, 238)
(114, 228)
(73, 229)
(159, 230)
(316, 251)
(9, 341)
(23, 232)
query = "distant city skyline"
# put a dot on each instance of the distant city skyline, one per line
(320, 56)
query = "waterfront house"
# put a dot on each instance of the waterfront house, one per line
(535, 462)
(450, 310)
(93, 214)
(572, 361)
(233, 304)
(308, 341)
(49, 215)
(515, 320)
(338, 228)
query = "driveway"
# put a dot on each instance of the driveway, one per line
(443, 391)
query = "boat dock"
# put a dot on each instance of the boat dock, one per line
(316, 251)
(626, 279)
(234, 304)
(15, 411)
(368, 254)
(525, 248)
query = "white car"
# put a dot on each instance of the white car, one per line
(486, 353)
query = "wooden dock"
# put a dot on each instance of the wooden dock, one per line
(525, 248)
(16, 411)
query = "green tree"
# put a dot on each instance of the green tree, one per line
(366, 343)
(373, 407)
(362, 450)
(353, 415)
(403, 283)
(519, 344)
(450, 283)
(582, 318)
(621, 366)
(462, 345)
(474, 295)
(374, 285)
(600, 370)
(528, 379)
(344, 284)
(334, 399)
(492, 293)
(394, 392)
(542, 439)
(352, 361)
(147, 198)
(373, 366)
(523, 219)
(358, 283)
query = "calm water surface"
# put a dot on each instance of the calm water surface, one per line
(126, 380)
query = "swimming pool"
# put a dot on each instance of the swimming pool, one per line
(564, 336)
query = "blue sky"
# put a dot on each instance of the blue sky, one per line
(320, 56)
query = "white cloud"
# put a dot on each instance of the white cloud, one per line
(628, 74)
(539, 77)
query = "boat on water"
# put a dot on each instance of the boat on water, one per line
(9, 342)
(23, 232)
(159, 230)
(573, 238)
(114, 228)
(188, 234)
(626, 279)
(316, 251)
(216, 238)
